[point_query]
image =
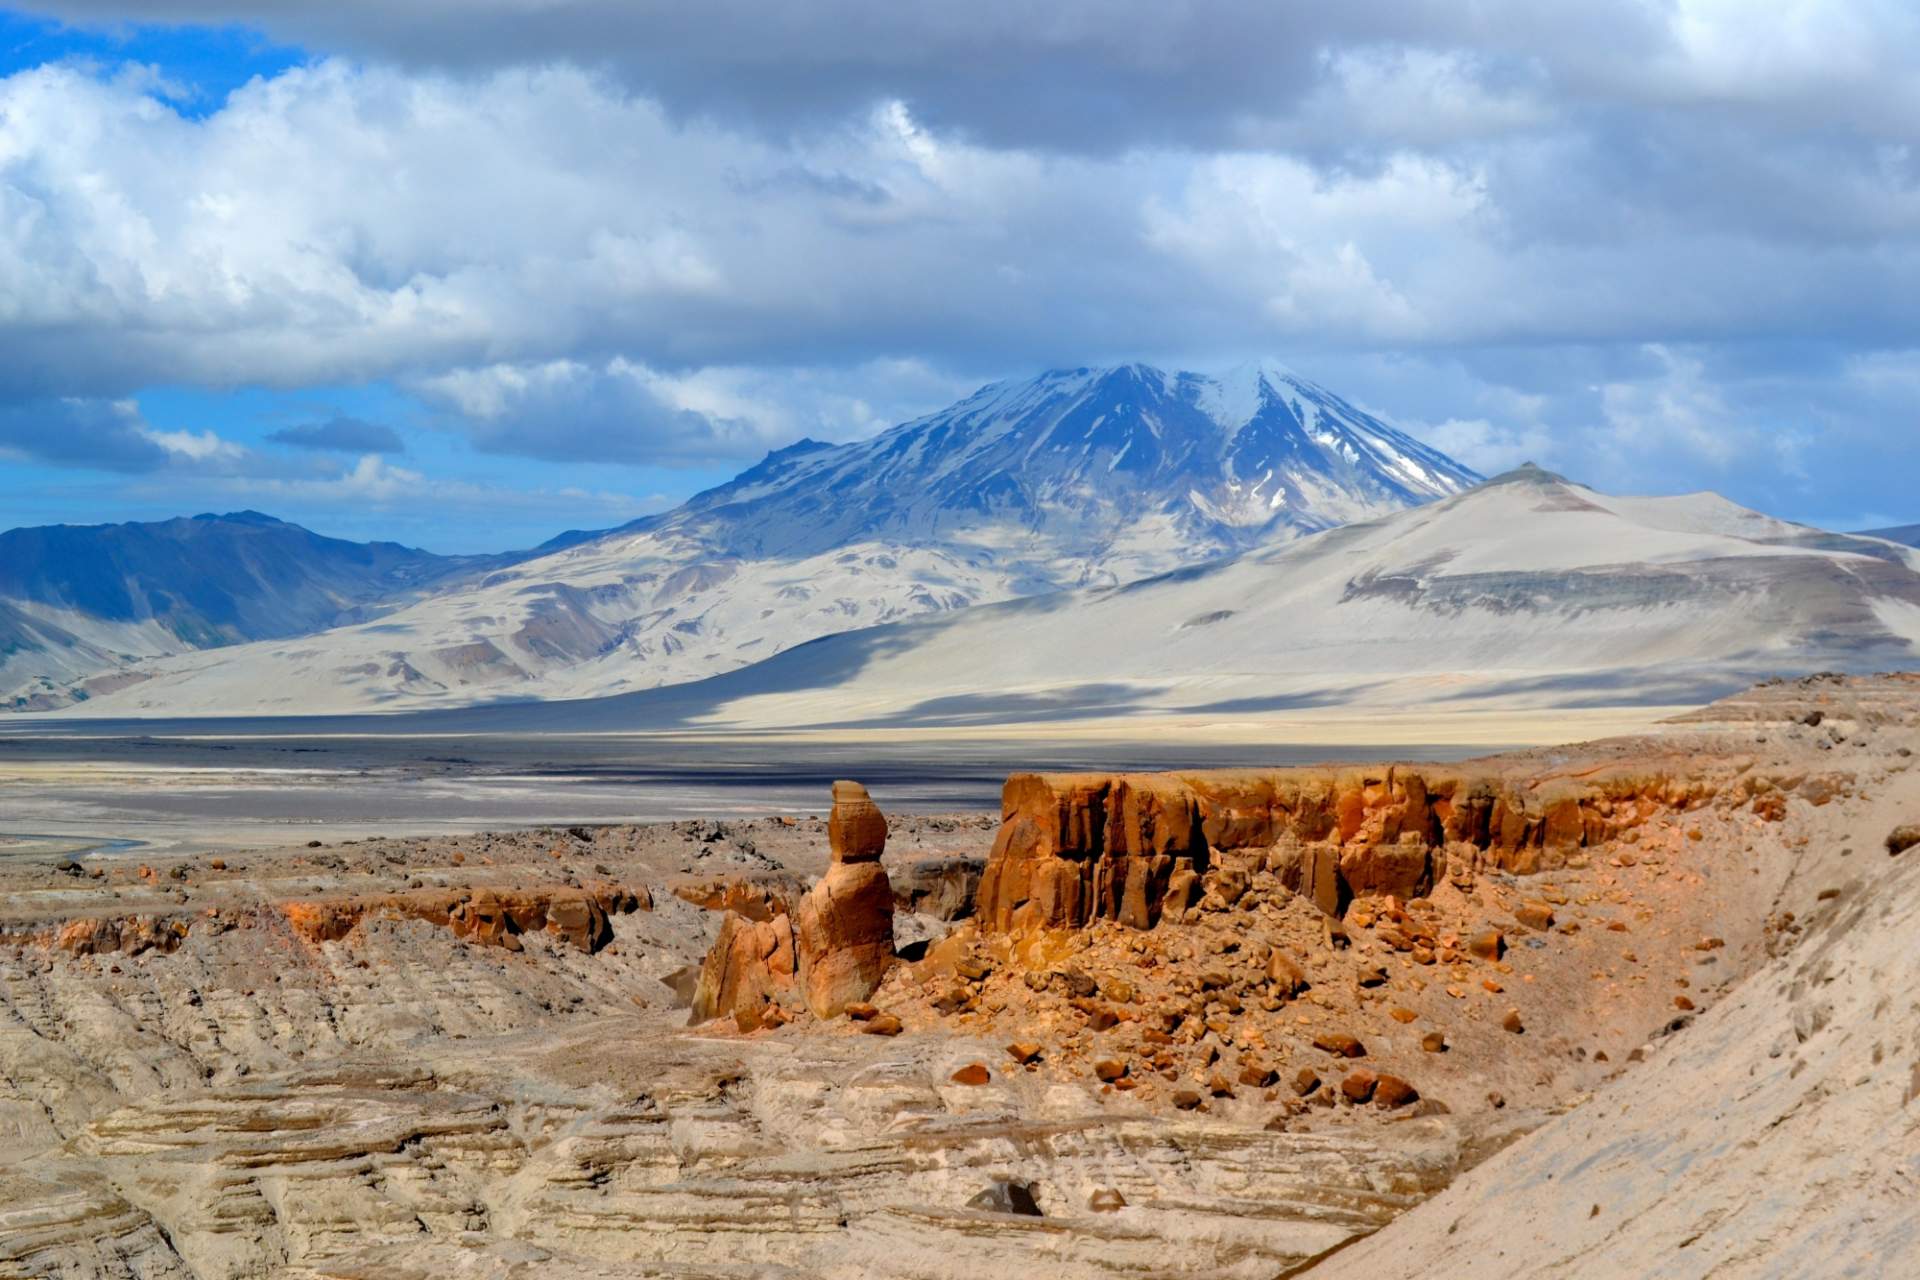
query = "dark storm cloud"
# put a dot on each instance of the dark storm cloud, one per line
(341, 434)
(1108, 75)
(1098, 75)
(95, 434)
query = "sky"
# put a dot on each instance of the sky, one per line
(466, 273)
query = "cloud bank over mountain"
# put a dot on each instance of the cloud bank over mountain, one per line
(673, 237)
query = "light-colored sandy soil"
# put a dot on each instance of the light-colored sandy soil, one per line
(1529, 591)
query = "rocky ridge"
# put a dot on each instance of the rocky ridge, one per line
(1777, 1135)
(1304, 937)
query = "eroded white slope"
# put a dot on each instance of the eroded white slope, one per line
(1530, 588)
(634, 614)
(47, 653)
(1779, 1135)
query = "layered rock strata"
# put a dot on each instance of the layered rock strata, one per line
(1241, 1092)
(484, 916)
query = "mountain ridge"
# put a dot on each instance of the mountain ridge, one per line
(1183, 445)
(1530, 590)
(1076, 477)
(1905, 534)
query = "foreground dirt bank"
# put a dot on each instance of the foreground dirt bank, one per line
(470, 1056)
(1780, 1134)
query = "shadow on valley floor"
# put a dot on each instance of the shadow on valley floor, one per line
(635, 757)
(1091, 701)
(1624, 688)
(822, 664)
(984, 710)
(1299, 700)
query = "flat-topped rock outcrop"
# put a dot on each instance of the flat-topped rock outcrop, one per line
(1078, 847)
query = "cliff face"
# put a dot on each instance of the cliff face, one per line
(1131, 847)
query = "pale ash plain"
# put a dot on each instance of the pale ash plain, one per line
(128, 789)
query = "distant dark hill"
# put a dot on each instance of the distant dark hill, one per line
(1906, 534)
(214, 579)
(79, 602)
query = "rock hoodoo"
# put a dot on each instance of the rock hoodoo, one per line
(844, 924)
(833, 947)
(856, 829)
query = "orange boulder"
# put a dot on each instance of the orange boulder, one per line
(750, 965)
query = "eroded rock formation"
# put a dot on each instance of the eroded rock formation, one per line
(484, 916)
(844, 926)
(856, 829)
(199, 1081)
(758, 895)
(1127, 847)
(845, 934)
(752, 964)
(128, 935)
(834, 946)
(941, 887)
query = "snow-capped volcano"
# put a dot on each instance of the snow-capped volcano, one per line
(1093, 475)
(1529, 592)
(1076, 478)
